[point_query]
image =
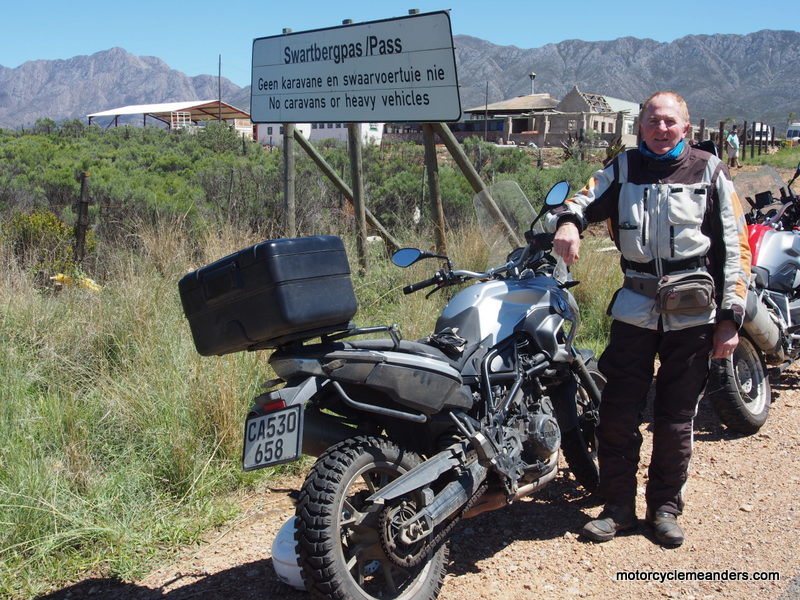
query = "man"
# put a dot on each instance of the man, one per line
(672, 211)
(732, 146)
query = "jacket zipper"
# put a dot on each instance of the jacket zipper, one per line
(645, 220)
(657, 216)
(672, 241)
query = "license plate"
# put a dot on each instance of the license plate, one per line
(273, 438)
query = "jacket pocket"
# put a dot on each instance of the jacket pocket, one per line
(633, 226)
(687, 207)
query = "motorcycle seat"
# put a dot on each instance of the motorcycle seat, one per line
(407, 346)
(379, 345)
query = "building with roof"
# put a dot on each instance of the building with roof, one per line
(180, 115)
(512, 120)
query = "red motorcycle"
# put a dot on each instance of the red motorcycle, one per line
(739, 386)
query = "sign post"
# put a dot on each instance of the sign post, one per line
(399, 69)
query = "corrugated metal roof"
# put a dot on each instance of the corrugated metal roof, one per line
(200, 110)
(519, 104)
(617, 105)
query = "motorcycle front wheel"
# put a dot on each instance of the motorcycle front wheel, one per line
(339, 541)
(739, 388)
(579, 444)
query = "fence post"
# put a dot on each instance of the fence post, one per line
(356, 175)
(432, 169)
(721, 140)
(289, 207)
(744, 141)
(82, 223)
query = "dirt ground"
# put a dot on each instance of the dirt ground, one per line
(742, 518)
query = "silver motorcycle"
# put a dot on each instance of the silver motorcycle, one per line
(413, 436)
(739, 387)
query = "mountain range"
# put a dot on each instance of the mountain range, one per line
(752, 77)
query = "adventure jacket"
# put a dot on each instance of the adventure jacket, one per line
(667, 217)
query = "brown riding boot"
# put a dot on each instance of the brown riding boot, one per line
(613, 520)
(665, 528)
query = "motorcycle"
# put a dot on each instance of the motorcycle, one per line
(413, 436)
(739, 386)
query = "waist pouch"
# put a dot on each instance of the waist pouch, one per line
(685, 293)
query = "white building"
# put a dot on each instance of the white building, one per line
(271, 134)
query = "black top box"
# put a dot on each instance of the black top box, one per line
(258, 296)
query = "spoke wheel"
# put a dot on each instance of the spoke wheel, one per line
(338, 532)
(739, 388)
(579, 445)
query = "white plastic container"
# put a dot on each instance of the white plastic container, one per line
(284, 556)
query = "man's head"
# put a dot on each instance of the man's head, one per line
(734, 129)
(663, 121)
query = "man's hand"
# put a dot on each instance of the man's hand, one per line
(726, 338)
(567, 242)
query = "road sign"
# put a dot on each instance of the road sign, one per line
(400, 69)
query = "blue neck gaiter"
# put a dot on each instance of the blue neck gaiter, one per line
(671, 155)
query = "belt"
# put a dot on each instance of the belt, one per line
(642, 285)
(667, 266)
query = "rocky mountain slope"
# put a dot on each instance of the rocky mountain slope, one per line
(753, 77)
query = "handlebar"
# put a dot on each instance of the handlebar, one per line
(537, 243)
(410, 289)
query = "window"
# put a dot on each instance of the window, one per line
(338, 126)
(330, 125)
(281, 129)
(269, 130)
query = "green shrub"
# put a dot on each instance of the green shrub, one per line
(42, 243)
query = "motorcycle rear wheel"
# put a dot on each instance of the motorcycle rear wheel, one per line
(741, 393)
(339, 544)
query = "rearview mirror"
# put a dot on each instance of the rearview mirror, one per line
(405, 257)
(557, 194)
(555, 197)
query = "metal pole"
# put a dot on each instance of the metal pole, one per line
(722, 140)
(486, 114)
(82, 223)
(290, 225)
(432, 169)
(356, 172)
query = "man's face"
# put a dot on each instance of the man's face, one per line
(662, 125)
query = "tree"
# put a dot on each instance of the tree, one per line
(44, 126)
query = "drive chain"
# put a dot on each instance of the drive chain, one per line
(419, 556)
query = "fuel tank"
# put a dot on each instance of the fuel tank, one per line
(492, 311)
(777, 256)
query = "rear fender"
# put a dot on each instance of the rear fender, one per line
(291, 395)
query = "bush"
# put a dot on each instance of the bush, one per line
(42, 243)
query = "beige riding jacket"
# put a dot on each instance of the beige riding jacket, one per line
(665, 217)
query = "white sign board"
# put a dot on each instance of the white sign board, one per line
(400, 69)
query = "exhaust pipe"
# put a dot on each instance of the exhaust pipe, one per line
(320, 432)
(762, 328)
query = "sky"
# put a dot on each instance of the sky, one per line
(191, 36)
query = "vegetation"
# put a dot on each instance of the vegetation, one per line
(117, 441)
(786, 158)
